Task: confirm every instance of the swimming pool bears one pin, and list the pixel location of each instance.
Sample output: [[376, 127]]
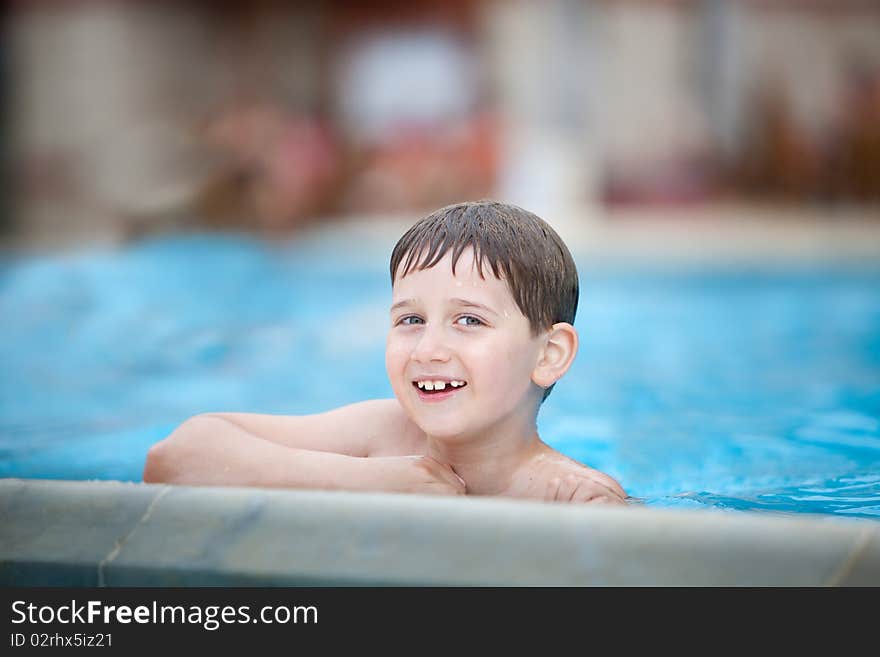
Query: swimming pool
[[734, 387]]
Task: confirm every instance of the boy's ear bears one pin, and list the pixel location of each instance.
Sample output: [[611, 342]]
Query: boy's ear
[[557, 354]]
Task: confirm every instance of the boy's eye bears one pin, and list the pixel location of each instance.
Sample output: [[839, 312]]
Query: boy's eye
[[469, 320], [410, 319]]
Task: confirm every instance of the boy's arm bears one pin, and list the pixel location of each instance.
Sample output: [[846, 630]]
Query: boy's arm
[[325, 450], [374, 427]]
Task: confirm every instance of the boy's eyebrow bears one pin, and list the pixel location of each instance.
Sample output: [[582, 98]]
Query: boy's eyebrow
[[456, 300], [472, 304], [402, 303]]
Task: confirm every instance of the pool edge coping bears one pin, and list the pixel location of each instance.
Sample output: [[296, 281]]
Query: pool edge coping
[[109, 533]]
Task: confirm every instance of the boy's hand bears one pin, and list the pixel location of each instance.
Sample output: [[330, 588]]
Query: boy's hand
[[413, 474], [583, 489], [565, 480]]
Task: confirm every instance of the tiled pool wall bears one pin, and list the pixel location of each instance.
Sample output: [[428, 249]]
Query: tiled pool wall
[[105, 533]]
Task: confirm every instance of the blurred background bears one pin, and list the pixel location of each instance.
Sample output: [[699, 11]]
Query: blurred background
[[127, 117], [200, 199]]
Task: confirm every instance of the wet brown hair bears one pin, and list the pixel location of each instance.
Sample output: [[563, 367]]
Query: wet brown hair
[[518, 246]]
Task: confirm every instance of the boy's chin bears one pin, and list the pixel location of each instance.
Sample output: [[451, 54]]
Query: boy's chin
[[445, 431]]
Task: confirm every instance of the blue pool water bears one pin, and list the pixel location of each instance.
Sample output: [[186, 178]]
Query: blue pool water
[[735, 388]]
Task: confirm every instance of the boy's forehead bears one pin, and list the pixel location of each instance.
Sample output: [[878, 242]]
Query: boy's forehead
[[467, 284], [466, 266]]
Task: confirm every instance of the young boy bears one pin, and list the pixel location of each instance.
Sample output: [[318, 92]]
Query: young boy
[[484, 295]]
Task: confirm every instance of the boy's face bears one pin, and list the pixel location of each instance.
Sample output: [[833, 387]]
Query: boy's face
[[468, 334]]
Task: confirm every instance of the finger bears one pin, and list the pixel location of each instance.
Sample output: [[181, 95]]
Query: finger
[[452, 490], [552, 489], [589, 490], [458, 477], [567, 488], [607, 499], [608, 482], [462, 482], [452, 477], [601, 489], [585, 492], [446, 473], [441, 488], [605, 483]]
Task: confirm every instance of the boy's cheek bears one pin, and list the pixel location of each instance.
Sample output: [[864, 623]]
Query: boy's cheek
[[395, 343], [396, 351], [396, 358]]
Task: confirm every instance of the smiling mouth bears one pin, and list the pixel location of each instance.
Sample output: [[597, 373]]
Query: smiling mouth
[[433, 387]]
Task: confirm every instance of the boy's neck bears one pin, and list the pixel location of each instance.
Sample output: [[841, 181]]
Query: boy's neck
[[489, 464]]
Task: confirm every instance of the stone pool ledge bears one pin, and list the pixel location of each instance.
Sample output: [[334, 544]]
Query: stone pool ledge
[[104, 533]]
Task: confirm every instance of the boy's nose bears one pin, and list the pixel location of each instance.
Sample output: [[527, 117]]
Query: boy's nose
[[430, 347]]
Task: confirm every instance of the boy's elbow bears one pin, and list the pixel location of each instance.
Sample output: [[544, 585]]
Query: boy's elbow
[[162, 463], [165, 458], [155, 468]]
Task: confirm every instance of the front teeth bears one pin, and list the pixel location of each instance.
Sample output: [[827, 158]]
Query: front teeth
[[438, 385]]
